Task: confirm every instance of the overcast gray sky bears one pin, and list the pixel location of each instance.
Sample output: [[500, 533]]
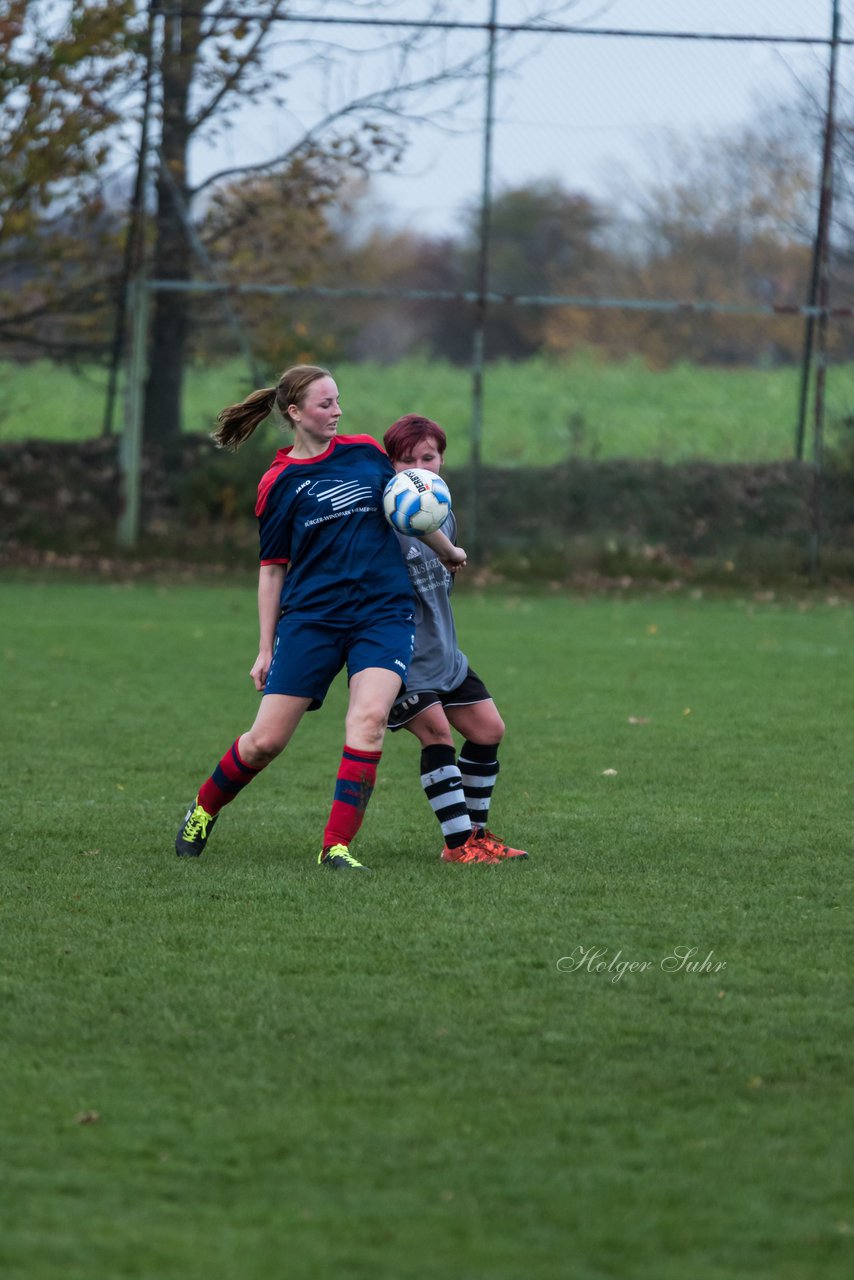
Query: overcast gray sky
[[582, 109]]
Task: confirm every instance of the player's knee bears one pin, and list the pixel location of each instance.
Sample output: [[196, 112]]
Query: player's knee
[[430, 735], [263, 746], [368, 725], [489, 730]]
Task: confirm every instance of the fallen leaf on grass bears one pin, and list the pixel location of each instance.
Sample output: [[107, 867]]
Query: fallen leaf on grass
[[87, 1117]]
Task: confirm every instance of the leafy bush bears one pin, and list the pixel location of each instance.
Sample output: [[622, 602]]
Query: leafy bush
[[616, 517]]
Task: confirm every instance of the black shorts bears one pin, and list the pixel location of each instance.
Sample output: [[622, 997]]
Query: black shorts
[[470, 690]]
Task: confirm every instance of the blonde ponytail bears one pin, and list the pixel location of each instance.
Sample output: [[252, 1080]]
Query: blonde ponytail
[[238, 421]]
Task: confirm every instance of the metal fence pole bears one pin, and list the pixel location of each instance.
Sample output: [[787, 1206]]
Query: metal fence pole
[[135, 232], [822, 231], [824, 302], [482, 287], [130, 444]]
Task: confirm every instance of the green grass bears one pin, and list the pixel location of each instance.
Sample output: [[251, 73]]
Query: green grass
[[535, 412], [310, 1076]]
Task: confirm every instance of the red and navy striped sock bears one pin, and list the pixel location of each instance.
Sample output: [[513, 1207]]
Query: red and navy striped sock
[[229, 777], [357, 775]]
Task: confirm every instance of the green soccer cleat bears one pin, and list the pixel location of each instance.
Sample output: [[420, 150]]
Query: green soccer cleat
[[194, 832], [337, 857]]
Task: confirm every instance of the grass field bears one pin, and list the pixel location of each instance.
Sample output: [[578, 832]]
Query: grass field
[[535, 412], [244, 1067]]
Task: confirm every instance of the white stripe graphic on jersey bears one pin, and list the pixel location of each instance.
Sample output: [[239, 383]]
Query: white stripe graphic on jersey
[[340, 493]]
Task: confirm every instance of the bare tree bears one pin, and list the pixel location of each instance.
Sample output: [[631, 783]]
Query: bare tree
[[65, 84], [377, 84], [73, 88], [724, 219]]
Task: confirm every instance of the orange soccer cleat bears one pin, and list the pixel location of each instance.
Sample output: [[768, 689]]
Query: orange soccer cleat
[[495, 845], [472, 851]]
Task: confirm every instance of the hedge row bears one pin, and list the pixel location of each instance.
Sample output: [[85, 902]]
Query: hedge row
[[197, 500]]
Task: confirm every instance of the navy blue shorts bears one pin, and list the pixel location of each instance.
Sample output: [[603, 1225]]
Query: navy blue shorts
[[407, 706], [307, 656]]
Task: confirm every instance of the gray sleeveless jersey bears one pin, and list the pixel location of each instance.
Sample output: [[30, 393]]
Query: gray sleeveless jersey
[[436, 661]]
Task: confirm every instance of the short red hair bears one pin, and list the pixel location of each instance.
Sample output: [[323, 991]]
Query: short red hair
[[403, 435]]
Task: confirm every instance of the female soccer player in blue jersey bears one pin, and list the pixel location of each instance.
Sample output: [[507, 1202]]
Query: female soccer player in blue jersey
[[333, 592], [442, 690]]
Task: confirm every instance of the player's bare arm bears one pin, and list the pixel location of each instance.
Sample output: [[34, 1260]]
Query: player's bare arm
[[270, 579], [452, 557]]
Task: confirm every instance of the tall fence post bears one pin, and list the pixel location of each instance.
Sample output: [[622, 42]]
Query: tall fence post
[[482, 287], [134, 244], [130, 444], [822, 231], [823, 295]]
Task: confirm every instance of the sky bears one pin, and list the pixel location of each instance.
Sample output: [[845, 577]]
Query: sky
[[587, 111]]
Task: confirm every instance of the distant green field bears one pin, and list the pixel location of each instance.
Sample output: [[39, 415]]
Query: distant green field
[[245, 1068], [537, 411]]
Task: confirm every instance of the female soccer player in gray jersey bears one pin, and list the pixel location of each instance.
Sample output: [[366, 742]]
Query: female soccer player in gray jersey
[[442, 691]]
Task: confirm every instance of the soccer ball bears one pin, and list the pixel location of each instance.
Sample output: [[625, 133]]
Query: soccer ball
[[416, 502]]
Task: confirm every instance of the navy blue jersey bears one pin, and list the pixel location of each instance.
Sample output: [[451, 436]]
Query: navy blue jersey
[[323, 518]]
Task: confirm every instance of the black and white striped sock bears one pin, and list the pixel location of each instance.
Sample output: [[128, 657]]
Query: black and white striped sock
[[443, 787], [479, 769]]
